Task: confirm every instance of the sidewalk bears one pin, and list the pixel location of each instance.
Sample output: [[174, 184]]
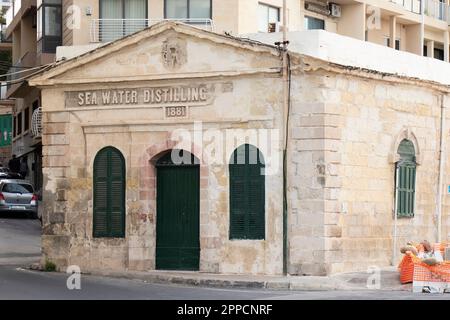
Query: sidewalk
[[389, 280]]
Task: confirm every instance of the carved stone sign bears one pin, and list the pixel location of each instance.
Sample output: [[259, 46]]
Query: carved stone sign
[[176, 112], [157, 96]]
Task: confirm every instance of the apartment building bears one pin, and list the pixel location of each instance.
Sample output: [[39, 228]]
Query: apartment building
[[399, 24]]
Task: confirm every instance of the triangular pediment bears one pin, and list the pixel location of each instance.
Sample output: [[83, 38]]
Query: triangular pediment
[[164, 51]]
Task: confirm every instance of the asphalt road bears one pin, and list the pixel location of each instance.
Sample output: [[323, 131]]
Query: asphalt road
[[17, 283], [20, 246], [20, 239]]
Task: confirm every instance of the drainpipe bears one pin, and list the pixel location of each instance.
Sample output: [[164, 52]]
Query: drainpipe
[[441, 171], [422, 25], [285, 142], [394, 246]]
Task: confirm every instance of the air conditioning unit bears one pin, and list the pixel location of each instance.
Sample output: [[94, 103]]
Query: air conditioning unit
[[274, 27], [335, 10]]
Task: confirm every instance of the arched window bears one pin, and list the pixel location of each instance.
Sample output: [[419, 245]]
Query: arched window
[[109, 194], [405, 174], [247, 193]]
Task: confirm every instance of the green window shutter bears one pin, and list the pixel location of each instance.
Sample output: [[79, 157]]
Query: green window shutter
[[109, 194], [406, 179], [247, 194], [5, 130]]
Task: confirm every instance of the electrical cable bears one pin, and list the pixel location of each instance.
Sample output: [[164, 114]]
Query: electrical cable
[[5, 83], [22, 71], [14, 81]]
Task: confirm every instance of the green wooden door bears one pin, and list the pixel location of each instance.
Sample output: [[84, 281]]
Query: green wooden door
[[178, 222]]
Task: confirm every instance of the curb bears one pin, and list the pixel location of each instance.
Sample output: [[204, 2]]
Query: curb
[[293, 284], [289, 283]]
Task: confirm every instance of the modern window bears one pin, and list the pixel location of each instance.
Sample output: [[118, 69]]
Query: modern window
[[405, 179], [387, 42], [269, 16], [109, 194], [312, 23], [119, 18], [49, 25], [188, 9], [439, 54], [247, 193]]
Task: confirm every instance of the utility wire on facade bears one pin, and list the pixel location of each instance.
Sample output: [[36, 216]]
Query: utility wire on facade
[[41, 68]]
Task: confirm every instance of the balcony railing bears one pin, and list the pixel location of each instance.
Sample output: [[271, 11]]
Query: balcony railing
[[5, 3], [432, 8], [105, 30], [410, 5], [436, 9], [17, 4], [3, 38], [14, 8], [36, 123], [9, 15]]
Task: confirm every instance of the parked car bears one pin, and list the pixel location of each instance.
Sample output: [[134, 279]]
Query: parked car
[[5, 173], [18, 196]]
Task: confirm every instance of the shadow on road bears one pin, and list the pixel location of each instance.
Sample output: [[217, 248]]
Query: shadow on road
[[16, 215]]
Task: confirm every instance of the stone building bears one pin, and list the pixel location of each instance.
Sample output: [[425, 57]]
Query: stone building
[[116, 197], [40, 32]]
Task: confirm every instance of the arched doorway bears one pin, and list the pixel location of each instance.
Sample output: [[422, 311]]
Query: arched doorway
[[178, 211]]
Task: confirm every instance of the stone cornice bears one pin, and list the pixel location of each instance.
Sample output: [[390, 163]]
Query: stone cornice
[[65, 66]]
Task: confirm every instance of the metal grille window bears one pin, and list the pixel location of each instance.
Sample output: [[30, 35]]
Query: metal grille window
[[405, 179], [36, 123], [109, 194], [247, 194]]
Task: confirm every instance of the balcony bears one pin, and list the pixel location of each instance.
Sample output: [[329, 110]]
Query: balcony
[[436, 9], [14, 8], [36, 123], [5, 3], [432, 8], [3, 37], [410, 5], [106, 30], [9, 15], [15, 12]]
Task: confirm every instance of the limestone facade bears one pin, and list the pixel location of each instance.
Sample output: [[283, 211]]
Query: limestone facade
[[344, 127]]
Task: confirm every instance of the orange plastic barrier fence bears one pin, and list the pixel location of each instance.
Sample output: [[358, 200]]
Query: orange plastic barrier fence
[[413, 269], [406, 268]]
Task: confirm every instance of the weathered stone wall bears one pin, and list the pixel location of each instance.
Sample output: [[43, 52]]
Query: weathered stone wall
[[344, 128], [72, 139], [313, 181], [345, 131]]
